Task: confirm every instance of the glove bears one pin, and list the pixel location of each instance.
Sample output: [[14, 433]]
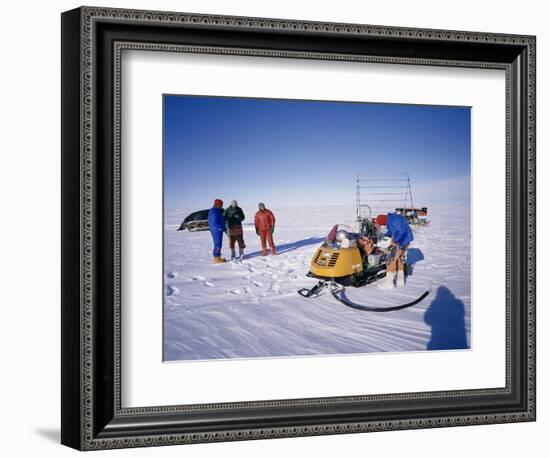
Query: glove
[[273, 228], [257, 231]]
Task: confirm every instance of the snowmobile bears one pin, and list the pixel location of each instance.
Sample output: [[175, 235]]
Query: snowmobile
[[350, 258]]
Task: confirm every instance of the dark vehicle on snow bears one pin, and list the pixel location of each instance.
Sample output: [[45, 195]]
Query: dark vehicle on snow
[[196, 221]]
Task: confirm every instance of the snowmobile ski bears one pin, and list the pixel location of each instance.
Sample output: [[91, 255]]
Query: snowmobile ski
[[316, 291]]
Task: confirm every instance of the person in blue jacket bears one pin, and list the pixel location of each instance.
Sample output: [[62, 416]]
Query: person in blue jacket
[[216, 223], [401, 236]]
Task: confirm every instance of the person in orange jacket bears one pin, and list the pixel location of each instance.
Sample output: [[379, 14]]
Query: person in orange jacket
[[265, 225]]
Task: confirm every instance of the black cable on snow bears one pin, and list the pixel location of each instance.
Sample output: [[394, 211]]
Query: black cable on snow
[[342, 299]]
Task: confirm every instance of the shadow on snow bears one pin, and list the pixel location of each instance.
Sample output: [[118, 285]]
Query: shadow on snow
[[285, 248], [445, 315], [414, 255]]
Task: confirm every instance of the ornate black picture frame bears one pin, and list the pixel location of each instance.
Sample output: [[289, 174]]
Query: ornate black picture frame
[[92, 42]]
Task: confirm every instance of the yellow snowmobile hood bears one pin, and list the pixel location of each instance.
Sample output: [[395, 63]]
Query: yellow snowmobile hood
[[331, 262]]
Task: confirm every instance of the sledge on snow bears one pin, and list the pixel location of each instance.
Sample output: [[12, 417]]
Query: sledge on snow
[[349, 257], [415, 216]]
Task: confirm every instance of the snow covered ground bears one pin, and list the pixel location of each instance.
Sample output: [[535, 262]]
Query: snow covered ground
[[251, 309]]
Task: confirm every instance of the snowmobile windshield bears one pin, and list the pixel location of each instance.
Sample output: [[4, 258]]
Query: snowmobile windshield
[[341, 236]]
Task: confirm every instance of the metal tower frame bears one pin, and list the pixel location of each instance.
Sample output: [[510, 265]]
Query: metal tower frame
[[382, 193]]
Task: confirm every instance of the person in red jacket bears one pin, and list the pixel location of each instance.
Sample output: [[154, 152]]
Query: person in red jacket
[[265, 225]]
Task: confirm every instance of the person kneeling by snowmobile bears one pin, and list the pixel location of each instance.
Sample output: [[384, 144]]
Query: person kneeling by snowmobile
[[366, 245], [401, 236], [234, 217]]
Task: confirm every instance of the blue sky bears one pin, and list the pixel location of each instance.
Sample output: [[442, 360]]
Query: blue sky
[[294, 152]]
